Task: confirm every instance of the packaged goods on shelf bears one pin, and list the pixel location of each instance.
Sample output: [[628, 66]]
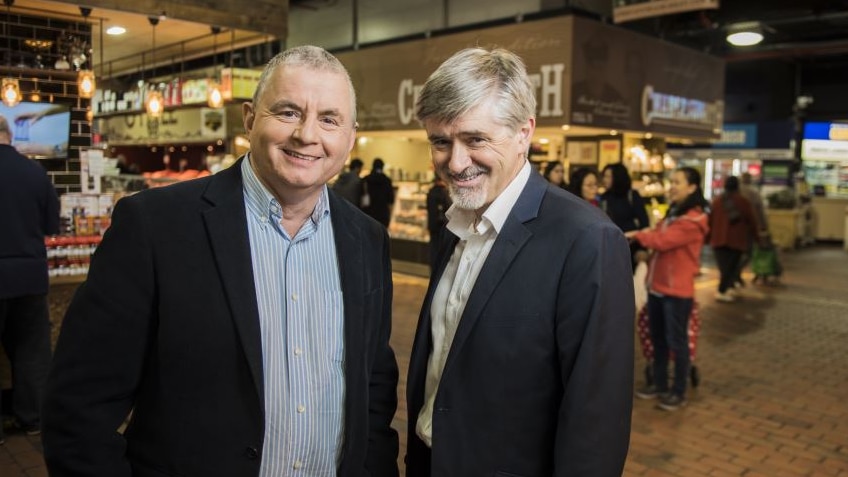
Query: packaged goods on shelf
[[69, 255]]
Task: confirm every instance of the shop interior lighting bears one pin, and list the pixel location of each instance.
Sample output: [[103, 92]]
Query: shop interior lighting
[[566, 127], [35, 96], [116, 30], [85, 78], [745, 34], [214, 97], [153, 103], [11, 87]]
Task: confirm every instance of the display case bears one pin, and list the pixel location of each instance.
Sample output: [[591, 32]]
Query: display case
[[409, 214]]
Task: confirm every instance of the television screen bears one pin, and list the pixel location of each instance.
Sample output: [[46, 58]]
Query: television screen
[[39, 129]]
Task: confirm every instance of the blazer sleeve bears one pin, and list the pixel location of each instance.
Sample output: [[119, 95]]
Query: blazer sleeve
[[381, 459], [594, 333], [100, 354]]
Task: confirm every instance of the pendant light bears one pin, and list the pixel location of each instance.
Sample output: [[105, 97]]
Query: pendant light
[[214, 97], [85, 78], [10, 88], [154, 103]]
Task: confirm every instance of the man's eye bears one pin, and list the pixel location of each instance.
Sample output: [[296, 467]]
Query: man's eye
[[439, 144], [476, 141], [329, 121], [289, 115]]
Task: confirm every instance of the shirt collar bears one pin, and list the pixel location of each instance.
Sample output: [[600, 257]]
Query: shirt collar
[[262, 203], [463, 223]]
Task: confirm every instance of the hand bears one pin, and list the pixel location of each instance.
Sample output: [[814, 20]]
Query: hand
[[631, 234]]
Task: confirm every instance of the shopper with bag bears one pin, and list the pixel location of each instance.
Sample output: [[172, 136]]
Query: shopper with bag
[[733, 226], [676, 243]]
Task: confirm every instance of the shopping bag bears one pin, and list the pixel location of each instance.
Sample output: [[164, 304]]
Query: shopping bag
[[764, 261]]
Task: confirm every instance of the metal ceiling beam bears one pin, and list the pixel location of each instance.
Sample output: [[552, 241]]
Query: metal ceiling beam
[[265, 16]]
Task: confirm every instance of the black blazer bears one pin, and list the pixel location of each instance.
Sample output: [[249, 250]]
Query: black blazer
[[167, 326], [539, 378]]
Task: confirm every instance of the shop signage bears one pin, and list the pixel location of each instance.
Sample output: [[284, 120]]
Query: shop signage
[[180, 126], [826, 131], [824, 150], [738, 135], [239, 83], [628, 10], [585, 73], [625, 80]]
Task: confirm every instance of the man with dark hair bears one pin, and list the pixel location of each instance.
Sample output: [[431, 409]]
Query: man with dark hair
[[349, 185], [29, 208], [381, 193]]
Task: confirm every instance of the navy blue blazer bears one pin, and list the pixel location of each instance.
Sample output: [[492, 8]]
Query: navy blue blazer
[[29, 210], [539, 378], [167, 326]]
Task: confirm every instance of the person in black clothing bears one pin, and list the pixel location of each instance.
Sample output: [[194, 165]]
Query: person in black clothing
[[381, 193], [30, 210], [438, 202], [350, 185], [624, 206]]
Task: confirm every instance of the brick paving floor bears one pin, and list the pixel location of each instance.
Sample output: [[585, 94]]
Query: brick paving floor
[[773, 400]]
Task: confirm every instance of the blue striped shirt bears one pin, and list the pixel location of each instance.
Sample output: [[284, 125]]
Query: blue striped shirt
[[302, 321]]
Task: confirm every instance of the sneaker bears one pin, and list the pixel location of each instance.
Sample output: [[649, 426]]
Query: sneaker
[[32, 431], [725, 297], [671, 402], [647, 392]]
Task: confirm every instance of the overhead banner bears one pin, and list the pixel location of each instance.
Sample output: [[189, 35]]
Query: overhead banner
[[388, 78], [585, 73], [625, 80], [628, 10]]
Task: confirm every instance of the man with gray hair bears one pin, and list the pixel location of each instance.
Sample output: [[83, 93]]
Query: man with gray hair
[[523, 359], [243, 318]]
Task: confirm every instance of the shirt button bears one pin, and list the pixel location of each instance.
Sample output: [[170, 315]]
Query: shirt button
[[294, 296], [297, 464], [251, 453], [263, 220], [298, 351], [301, 409]]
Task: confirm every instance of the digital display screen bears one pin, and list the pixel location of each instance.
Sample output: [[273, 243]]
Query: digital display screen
[[39, 130]]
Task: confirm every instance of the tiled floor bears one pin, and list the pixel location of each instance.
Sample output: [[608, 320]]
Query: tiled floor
[[773, 400]]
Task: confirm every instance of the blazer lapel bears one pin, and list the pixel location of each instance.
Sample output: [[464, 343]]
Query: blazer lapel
[[509, 242], [349, 240], [226, 224]]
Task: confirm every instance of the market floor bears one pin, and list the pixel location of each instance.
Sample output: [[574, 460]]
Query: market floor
[[773, 397]]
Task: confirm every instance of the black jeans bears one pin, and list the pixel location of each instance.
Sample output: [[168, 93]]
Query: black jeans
[[727, 260], [668, 319], [25, 333]]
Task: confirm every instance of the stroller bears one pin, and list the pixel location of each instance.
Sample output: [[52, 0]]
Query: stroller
[[764, 263], [648, 347]]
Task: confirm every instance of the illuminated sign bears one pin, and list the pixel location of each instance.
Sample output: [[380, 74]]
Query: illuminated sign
[[672, 110]]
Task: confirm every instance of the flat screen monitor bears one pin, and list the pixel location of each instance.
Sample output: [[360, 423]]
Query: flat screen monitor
[[39, 130]]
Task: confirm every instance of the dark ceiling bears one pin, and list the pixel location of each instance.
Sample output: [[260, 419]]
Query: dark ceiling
[[794, 30]]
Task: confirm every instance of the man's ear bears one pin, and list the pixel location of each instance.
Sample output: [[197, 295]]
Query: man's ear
[[248, 115], [526, 132]]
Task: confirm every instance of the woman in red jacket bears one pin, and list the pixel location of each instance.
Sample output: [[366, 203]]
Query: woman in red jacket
[[676, 242]]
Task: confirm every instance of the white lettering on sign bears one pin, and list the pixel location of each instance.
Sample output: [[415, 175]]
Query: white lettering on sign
[[737, 137], [547, 84]]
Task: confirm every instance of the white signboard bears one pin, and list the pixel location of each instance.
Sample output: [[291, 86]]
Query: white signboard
[[627, 10]]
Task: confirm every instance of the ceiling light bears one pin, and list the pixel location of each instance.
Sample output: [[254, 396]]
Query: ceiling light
[[86, 83], [11, 92], [745, 34], [116, 30], [566, 127]]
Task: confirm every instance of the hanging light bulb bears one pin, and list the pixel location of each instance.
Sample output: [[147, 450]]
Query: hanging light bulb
[[11, 91], [154, 103], [216, 99], [86, 83]]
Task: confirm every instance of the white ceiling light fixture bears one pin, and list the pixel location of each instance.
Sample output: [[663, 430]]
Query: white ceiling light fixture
[[745, 34], [116, 30]]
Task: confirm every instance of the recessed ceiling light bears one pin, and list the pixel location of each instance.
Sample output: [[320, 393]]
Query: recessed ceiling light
[[116, 30], [745, 38]]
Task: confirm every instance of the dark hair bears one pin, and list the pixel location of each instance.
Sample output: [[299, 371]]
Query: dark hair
[[695, 199], [377, 165], [731, 184], [356, 163], [621, 183], [575, 185], [549, 167]]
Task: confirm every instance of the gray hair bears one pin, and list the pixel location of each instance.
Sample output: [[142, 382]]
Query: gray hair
[[308, 56], [472, 76]]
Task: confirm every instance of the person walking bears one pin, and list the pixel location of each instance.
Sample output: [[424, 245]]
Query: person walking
[[522, 362], [734, 227], [438, 203], [676, 243], [29, 207], [349, 185], [242, 319], [381, 193]]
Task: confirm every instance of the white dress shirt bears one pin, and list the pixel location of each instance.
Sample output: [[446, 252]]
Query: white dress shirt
[[476, 238]]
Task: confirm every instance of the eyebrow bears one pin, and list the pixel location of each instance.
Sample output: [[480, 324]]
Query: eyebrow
[[461, 134]]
